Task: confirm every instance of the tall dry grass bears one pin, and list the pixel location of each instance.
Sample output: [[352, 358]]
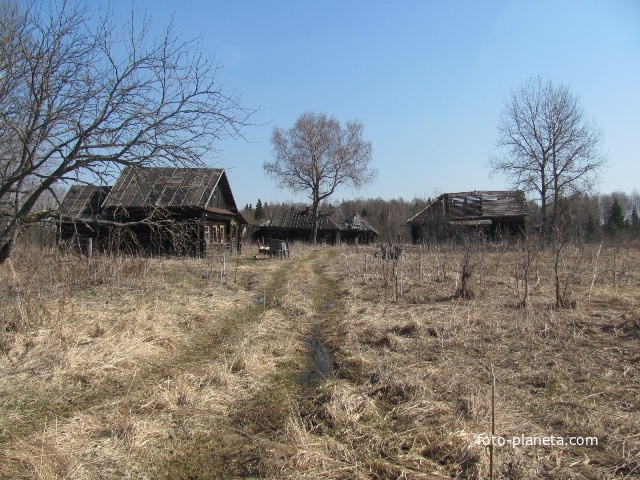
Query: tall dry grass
[[103, 360], [564, 372], [131, 367]]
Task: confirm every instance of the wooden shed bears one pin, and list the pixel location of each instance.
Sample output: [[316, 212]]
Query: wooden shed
[[489, 211]]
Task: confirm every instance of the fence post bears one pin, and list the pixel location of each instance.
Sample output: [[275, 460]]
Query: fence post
[[89, 247], [223, 266]]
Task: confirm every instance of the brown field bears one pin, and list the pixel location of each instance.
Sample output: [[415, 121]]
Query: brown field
[[152, 368]]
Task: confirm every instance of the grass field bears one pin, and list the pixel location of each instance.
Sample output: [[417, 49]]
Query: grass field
[[125, 367]]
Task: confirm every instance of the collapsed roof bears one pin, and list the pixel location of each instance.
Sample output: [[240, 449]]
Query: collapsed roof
[[477, 207]]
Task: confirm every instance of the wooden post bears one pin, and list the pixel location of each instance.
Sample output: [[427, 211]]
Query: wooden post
[[223, 266], [89, 247], [401, 282], [365, 268], [395, 278]]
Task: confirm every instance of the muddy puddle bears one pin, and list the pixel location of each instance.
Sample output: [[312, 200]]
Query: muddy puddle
[[261, 300], [329, 304], [320, 365]]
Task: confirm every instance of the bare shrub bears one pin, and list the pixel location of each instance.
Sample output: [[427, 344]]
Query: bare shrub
[[471, 245]]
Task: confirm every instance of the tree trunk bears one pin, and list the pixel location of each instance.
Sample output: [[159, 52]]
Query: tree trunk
[[315, 211], [559, 300], [314, 222], [543, 199], [7, 241], [556, 204]]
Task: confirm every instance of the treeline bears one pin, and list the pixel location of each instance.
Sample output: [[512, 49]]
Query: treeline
[[594, 216]]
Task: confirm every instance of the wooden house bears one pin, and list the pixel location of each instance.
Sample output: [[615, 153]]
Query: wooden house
[[293, 224], [357, 228], [163, 211], [490, 211], [80, 215]]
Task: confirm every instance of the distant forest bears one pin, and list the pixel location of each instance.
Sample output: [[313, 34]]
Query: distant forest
[[613, 214]]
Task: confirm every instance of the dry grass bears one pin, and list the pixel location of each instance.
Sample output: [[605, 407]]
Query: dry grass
[[129, 367]]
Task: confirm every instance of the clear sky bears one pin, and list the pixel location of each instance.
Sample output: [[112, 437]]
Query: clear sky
[[427, 78]]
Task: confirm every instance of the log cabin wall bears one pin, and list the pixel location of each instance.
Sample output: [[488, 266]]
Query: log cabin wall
[[156, 211]]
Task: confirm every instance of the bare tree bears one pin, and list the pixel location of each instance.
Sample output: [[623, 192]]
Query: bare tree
[[317, 155], [80, 98], [567, 254], [528, 250], [550, 148]]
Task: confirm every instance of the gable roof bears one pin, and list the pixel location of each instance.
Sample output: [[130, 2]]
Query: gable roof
[[300, 220], [83, 201], [357, 223], [168, 187], [477, 205]]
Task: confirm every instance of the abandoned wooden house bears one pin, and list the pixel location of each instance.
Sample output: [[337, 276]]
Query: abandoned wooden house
[[492, 212], [80, 215], [297, 225], [184, 211], [357, 228]]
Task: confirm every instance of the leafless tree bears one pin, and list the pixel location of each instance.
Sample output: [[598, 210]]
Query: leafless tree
[[528, 250], [567, 253], [317, 155], [550, 148], [81, 97]]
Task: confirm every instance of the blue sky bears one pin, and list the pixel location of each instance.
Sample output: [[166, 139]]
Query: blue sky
[[427, 78]]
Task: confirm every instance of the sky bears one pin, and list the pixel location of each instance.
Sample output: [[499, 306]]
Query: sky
[[428, 79]]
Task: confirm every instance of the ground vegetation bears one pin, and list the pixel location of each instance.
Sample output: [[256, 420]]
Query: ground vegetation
[[334, 363]]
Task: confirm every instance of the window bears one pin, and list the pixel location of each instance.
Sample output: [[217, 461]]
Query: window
[[214, 234]]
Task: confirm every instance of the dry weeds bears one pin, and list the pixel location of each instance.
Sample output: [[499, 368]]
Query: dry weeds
[[131, 367]]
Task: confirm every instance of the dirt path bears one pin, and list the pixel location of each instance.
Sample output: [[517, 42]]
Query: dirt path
[[296, 335]]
